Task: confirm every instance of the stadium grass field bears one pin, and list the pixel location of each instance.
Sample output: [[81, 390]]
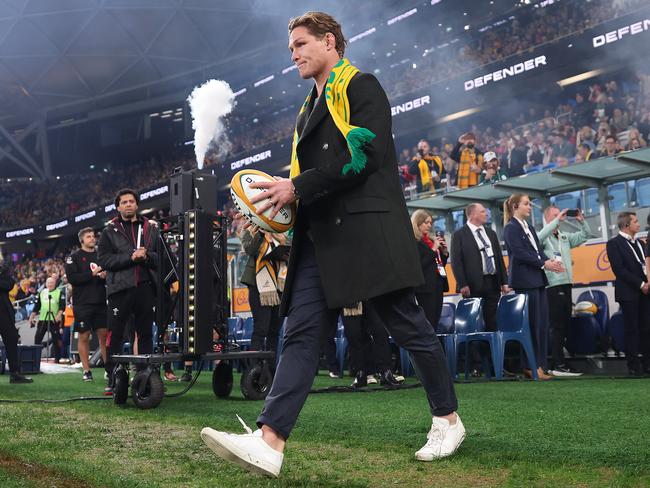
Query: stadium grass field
[[563, 433]]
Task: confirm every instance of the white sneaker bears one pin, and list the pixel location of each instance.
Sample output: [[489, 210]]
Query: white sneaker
[[399, 378], [371, 379], [442, 440], [249, 450]]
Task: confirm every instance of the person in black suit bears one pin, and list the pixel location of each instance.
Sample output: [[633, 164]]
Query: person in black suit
[[433, 258], [628, 260], [352, 242], [8, 331], [527, 263], [477, 263]]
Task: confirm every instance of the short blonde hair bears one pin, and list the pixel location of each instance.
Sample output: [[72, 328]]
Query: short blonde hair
[[418, 217]]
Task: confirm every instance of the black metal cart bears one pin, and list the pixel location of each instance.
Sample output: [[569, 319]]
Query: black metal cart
[[193, 253]]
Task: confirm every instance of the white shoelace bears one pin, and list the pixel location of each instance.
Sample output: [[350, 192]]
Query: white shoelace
[[246, 427], [435, 435]]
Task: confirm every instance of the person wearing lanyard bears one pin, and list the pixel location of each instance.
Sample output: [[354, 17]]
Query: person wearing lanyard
[[477, 263], [480, 272], [526, 271], [433, 257], [629, 264], [558, 244]]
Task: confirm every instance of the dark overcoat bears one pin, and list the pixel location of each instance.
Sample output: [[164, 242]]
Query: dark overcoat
[[358, 223]]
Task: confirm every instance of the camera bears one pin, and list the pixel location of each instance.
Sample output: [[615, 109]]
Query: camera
[[573, 212]]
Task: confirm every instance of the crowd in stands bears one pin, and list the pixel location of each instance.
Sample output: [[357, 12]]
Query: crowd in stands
[[606, 110], [531, 27], [602, 119]]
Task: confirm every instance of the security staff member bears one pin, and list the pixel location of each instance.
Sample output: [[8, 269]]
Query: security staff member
[[8, 331], [49, 308], [631, 288], [477, 263], [88, 281], [127, 251]]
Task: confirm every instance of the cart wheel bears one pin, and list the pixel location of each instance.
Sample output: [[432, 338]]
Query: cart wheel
[[256, 381], [147, 389], [222, 379], [120, 386]]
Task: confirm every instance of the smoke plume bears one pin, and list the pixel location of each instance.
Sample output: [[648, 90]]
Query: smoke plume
[[209, 103]]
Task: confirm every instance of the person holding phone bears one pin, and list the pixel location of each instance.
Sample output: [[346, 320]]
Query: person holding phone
[[526, 272], [433, 257], [557, 244]]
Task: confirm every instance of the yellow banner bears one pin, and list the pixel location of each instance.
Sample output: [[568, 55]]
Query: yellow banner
[[240, 300]]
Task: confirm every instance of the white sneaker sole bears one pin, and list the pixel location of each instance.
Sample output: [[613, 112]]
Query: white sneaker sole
[[561, 374], [222, 447], [428, 459]]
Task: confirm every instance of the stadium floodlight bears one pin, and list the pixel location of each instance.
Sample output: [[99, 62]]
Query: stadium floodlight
[[581, 77], [459, 115]]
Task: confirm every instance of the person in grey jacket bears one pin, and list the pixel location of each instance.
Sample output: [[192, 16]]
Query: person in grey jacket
[[264, 275], [557, 245]]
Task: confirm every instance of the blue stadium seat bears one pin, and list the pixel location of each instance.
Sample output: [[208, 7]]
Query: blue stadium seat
[[583, 335], [643, 192], [234, 325], [446, 322], [467, 319], [513, 325], [587, 333], [618, 195], [247, 333], [600, 299], [492, 338]]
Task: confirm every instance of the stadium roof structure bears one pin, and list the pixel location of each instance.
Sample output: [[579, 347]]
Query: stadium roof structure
[[597, 173], [66, 53]]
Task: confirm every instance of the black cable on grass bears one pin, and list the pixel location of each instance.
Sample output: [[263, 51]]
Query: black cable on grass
[[64, 400], [83, 399], [352, 389], [190, 384]]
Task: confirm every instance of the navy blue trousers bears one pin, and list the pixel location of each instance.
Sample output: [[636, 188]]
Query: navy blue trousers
[[309, 320], [538, 319]]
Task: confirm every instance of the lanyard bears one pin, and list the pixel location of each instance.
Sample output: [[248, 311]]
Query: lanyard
[[639, 260], [559, 245]]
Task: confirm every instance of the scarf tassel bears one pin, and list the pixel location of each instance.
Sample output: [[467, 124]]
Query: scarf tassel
[[357, 138], [353, 311], [269, 299]]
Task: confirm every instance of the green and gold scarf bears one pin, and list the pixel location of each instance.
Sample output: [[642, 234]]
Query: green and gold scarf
[[339, 108]]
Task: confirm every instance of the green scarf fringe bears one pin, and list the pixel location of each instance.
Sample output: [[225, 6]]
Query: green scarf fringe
[[357, 138]]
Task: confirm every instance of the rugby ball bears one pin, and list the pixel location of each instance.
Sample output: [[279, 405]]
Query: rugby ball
[[242, 193], [585, 308]]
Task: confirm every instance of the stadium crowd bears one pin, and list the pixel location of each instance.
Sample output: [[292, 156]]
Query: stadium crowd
[[31, 202], [602, 119]]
